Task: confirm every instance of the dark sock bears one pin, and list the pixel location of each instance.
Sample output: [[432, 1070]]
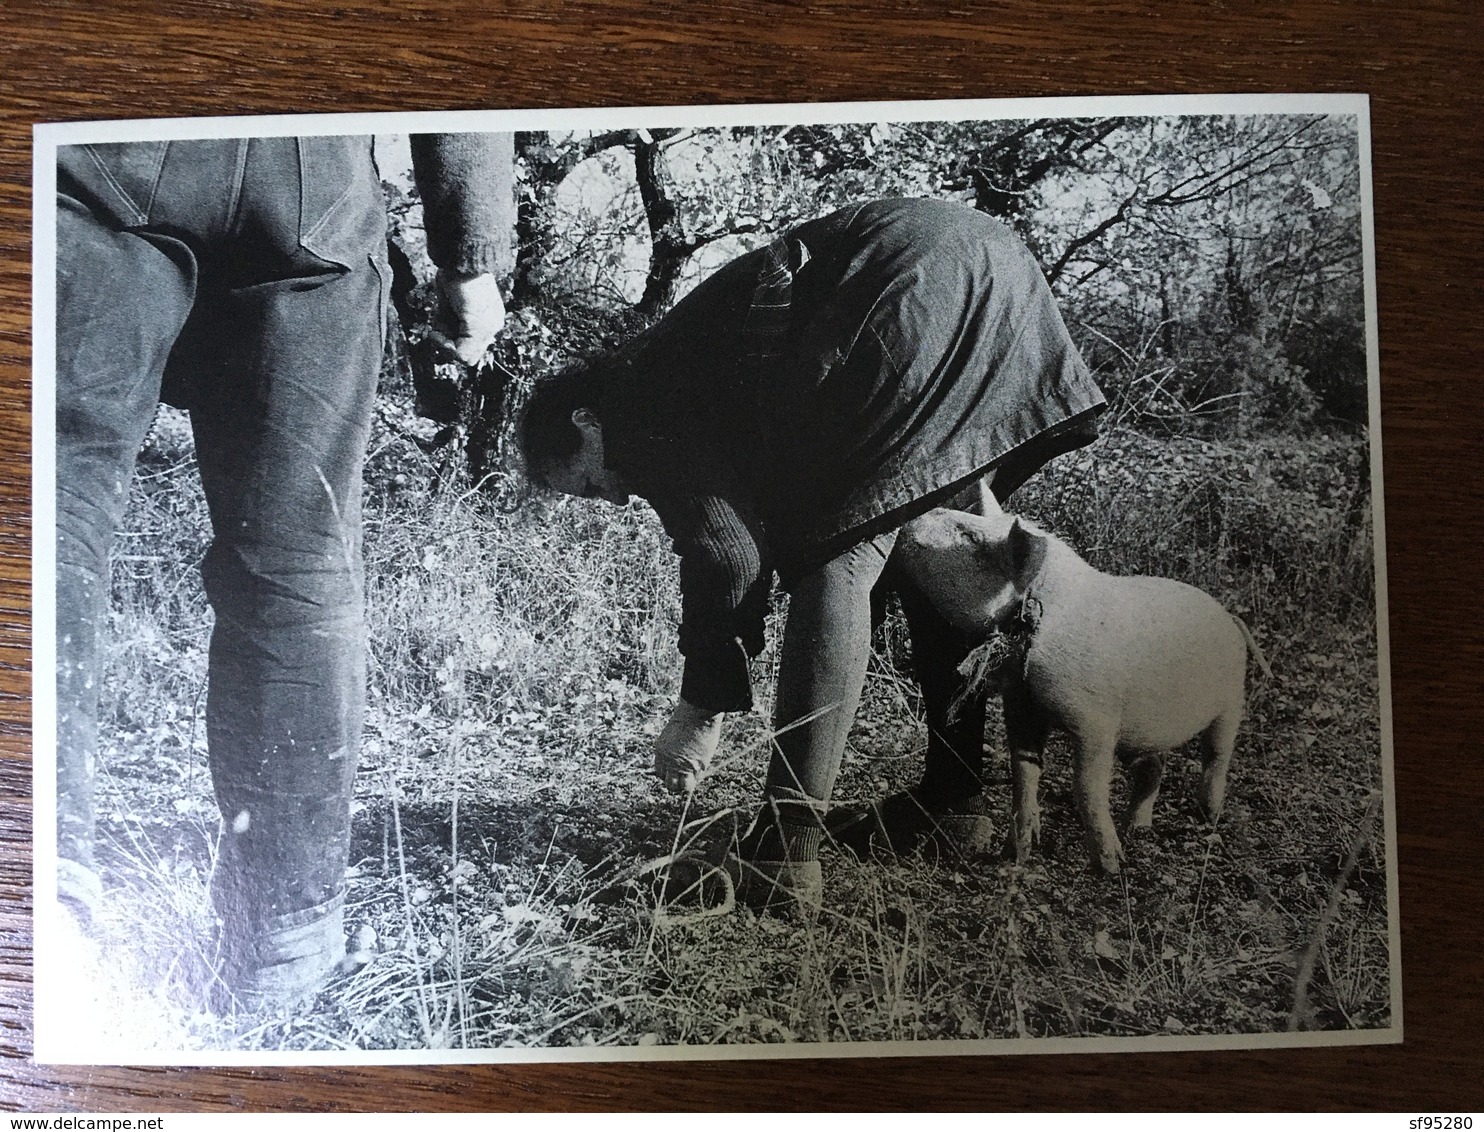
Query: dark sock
[[775, 838]]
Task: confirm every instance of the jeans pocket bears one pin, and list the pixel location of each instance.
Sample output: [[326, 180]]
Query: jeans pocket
[[342, 213], [383, 271], [123, 176]]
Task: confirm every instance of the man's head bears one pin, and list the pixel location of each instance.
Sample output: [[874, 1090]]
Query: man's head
[[584, 472], [561, 439]]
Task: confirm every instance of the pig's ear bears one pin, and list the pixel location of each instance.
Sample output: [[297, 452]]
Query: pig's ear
[[1027, 554]]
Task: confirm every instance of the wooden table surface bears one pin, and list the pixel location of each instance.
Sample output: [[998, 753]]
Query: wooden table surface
[[1420, 62]]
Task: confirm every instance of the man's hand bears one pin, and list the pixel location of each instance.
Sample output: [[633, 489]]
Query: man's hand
[[470, 313], [686, 746]]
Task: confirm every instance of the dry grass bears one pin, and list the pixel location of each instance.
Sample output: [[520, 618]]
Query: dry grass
[[506, 825]]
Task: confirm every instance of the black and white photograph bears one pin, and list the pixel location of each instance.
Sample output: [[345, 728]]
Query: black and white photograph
[[754, 581]]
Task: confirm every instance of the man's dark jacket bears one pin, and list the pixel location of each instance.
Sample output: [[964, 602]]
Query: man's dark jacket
[[823, 390]]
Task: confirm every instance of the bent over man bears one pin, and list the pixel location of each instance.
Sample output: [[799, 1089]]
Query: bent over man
[[791, 414]]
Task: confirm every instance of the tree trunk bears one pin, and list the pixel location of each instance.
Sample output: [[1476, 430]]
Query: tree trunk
[[669, 247]]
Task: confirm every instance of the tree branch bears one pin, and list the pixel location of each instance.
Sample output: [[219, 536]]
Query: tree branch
[[1118, 217]]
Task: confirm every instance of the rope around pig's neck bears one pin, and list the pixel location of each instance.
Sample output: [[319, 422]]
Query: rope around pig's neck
[[1000, 659]]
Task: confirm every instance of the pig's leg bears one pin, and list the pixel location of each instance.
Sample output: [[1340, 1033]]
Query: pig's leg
[[1144, 773], [1025, 735], [1092, 784], [1217, 743]]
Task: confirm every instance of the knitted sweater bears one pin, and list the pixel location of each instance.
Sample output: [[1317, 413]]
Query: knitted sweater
[[466, 183]]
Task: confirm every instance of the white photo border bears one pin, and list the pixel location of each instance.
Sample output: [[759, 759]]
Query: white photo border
[[51, 1033]]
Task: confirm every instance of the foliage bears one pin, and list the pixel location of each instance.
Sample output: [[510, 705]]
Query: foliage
[[1223, 251]]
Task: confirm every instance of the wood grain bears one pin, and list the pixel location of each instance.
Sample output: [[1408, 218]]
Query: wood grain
[[1421, 63]]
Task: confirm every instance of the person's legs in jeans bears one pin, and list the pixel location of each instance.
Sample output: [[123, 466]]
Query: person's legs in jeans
[[272, 322], [940, 806], [278, 366], [121, 301], [826, 647], [281, 437]]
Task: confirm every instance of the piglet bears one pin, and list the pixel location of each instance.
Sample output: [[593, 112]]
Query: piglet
[[1127, 666]]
